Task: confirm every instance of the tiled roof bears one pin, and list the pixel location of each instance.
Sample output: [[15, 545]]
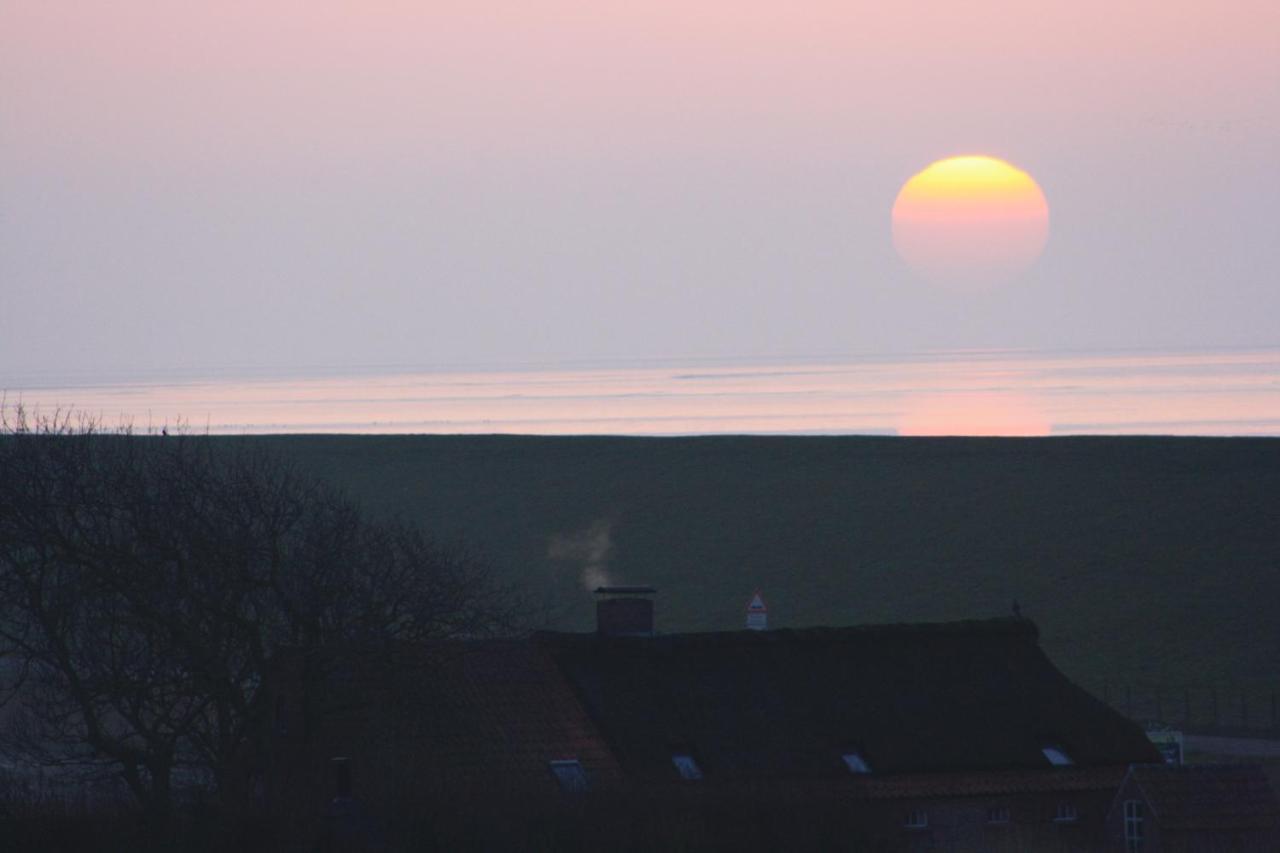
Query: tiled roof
[[911, 699], [491, 713], [988, 783], [1208, 797], [515, 714]]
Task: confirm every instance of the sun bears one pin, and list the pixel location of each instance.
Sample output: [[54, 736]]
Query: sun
[[970, 222]]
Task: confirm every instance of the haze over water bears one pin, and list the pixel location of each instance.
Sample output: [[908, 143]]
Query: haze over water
[[1205, 392], [272, 183]]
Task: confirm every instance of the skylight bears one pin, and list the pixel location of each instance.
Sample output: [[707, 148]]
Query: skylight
[[686, 766], [570, 776], [856, 763], [1056, 756]]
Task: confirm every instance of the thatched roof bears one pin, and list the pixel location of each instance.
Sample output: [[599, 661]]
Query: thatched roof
[[909, 699]]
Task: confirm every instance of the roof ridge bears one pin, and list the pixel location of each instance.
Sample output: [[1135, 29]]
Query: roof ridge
[[999, 626]]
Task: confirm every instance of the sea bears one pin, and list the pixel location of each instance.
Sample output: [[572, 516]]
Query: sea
[[1211, 392]]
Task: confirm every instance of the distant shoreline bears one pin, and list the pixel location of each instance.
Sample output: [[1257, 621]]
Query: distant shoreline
[[1218, 392]]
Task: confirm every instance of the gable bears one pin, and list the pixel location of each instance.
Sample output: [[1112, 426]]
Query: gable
[[1207, 797]]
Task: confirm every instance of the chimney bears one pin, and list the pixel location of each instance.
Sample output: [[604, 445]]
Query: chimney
[[624, 611], [341, 777]]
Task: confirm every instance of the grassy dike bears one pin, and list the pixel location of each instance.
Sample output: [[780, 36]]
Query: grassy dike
[[1155, 560]]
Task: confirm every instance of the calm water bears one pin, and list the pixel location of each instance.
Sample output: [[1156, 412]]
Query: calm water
[[1210, 392]]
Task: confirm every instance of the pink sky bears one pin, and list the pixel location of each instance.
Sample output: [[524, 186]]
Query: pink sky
[[316, 82], [197, 185]]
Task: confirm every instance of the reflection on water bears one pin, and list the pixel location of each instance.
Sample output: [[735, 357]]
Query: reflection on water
[[1222, 392], [981, 413]]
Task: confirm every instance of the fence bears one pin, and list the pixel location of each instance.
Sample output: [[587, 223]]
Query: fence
[[1250, 709]]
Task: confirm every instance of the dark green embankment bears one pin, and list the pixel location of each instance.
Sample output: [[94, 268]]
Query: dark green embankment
[[1143, 560]]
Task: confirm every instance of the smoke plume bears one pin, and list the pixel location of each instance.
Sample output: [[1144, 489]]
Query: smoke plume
[[589, 548]]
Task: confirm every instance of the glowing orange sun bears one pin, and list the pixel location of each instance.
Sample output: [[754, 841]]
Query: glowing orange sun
[[970, 222]]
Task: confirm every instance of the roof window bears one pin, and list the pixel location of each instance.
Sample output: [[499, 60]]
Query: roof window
[[856, 763], [570, 776], [1066, 813], [916, 819], [998, 814], [686, 766], [1056, 756]]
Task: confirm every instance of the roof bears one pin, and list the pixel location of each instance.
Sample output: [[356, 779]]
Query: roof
[[487, 713], [516, 714], [1195, 797], [989, 783], [911, 699]]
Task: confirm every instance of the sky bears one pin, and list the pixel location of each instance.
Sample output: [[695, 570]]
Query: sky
[[213, 186]]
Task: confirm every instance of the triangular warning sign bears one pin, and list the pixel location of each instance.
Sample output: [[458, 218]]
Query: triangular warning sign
[[757, 613]]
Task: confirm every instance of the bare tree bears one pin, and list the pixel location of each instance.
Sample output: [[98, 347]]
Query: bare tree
[[146, 582]]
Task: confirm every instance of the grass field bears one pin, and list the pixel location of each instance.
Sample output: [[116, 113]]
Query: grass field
[[1148, 560]]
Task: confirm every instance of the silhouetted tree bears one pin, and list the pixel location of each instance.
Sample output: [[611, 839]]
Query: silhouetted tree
[[146, 581]]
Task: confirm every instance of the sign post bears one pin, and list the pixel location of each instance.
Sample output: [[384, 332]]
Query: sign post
[[1169, 743]]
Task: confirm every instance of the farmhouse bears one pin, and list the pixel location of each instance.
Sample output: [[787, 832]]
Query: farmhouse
[[897, 737], [1196, 809]]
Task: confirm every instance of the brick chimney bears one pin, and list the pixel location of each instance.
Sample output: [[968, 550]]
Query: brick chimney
[[624, 611], [341, 777]]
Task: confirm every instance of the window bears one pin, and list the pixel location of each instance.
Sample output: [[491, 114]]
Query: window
[[686, 766], [570, 775], [916, 819], [1066, 813], [1056, 756], [998, 814], [856, 763], [1132, 825]]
